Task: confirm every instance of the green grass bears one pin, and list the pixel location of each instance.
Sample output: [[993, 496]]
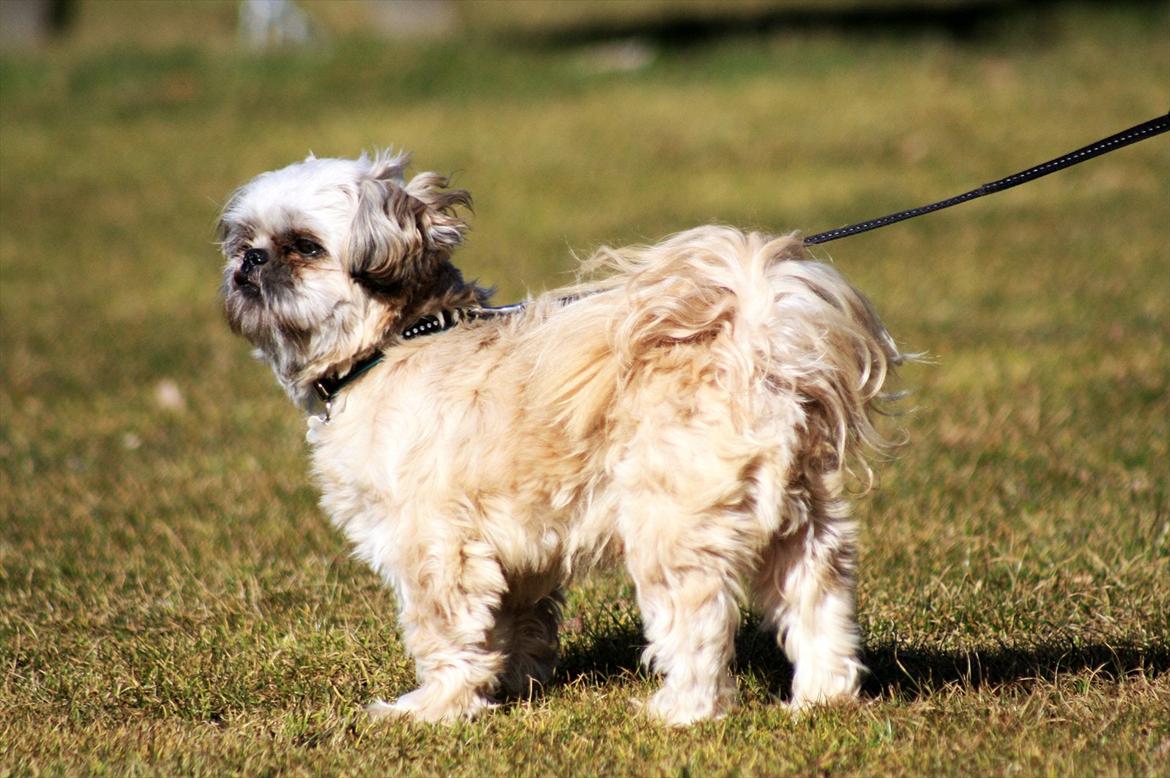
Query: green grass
[[173, 601]]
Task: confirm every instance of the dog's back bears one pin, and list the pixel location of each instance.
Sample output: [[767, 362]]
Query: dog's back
[[748, 314]]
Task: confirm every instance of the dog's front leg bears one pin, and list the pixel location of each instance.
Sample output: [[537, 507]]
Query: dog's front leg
[[449, 601]]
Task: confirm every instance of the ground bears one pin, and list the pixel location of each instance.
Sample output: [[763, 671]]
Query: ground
[[173, 601]]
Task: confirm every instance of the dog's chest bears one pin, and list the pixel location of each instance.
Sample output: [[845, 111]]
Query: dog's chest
[[357, 463]]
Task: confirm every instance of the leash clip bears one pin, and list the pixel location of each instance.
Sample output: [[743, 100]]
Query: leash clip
[[326, 398]]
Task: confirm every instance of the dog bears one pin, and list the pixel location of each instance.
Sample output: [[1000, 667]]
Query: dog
[[699, 410]]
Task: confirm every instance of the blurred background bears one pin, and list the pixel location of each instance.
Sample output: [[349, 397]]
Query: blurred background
[[150, 469]]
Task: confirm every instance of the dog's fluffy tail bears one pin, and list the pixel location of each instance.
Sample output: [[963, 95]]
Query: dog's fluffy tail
[[772, 322]]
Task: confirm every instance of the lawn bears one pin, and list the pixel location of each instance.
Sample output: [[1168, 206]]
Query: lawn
[[172, 600]]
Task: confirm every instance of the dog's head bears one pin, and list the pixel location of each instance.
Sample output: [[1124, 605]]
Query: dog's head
[[325, 257]]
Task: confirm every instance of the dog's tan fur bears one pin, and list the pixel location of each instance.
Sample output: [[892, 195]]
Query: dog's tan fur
[[693, 413]]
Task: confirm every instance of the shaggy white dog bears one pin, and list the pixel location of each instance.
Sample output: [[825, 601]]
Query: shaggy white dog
[[695, 414]]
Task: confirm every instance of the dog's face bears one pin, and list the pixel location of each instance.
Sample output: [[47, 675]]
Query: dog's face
[[323, 255]]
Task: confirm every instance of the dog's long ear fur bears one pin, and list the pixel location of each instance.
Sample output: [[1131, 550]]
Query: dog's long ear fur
[[402, 230]]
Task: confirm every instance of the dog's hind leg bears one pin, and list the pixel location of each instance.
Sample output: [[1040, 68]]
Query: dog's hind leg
[[805, 589], [687, 591], [527, 635], [690, 617]]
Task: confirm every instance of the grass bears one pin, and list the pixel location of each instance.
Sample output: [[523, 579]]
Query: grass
[[171, 598]]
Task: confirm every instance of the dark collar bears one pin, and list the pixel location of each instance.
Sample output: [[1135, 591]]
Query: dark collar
[[329, 386]]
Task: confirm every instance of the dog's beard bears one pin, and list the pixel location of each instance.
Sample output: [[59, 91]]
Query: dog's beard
[[297, 316]]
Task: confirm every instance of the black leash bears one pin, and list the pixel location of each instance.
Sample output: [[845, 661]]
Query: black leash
[[1104, 146]]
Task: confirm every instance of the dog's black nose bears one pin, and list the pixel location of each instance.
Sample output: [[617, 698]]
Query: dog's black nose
[[252, 258], [243, 275]]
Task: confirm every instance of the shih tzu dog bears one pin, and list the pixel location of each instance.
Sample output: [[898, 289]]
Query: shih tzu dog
[[698, 411]]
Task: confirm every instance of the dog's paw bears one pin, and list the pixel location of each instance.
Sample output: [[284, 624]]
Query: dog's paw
[[424, 704], [826, 685], [380, 709], [803, 705], [670, 707]]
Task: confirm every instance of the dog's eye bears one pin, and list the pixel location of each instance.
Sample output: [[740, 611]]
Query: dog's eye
[[307, 248]]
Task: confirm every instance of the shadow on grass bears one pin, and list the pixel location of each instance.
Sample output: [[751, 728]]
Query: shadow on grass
[[911, 673], [612, 650], [686, 26]]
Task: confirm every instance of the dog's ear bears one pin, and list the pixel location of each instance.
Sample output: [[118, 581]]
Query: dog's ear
[[400, 229], [438, 218]]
